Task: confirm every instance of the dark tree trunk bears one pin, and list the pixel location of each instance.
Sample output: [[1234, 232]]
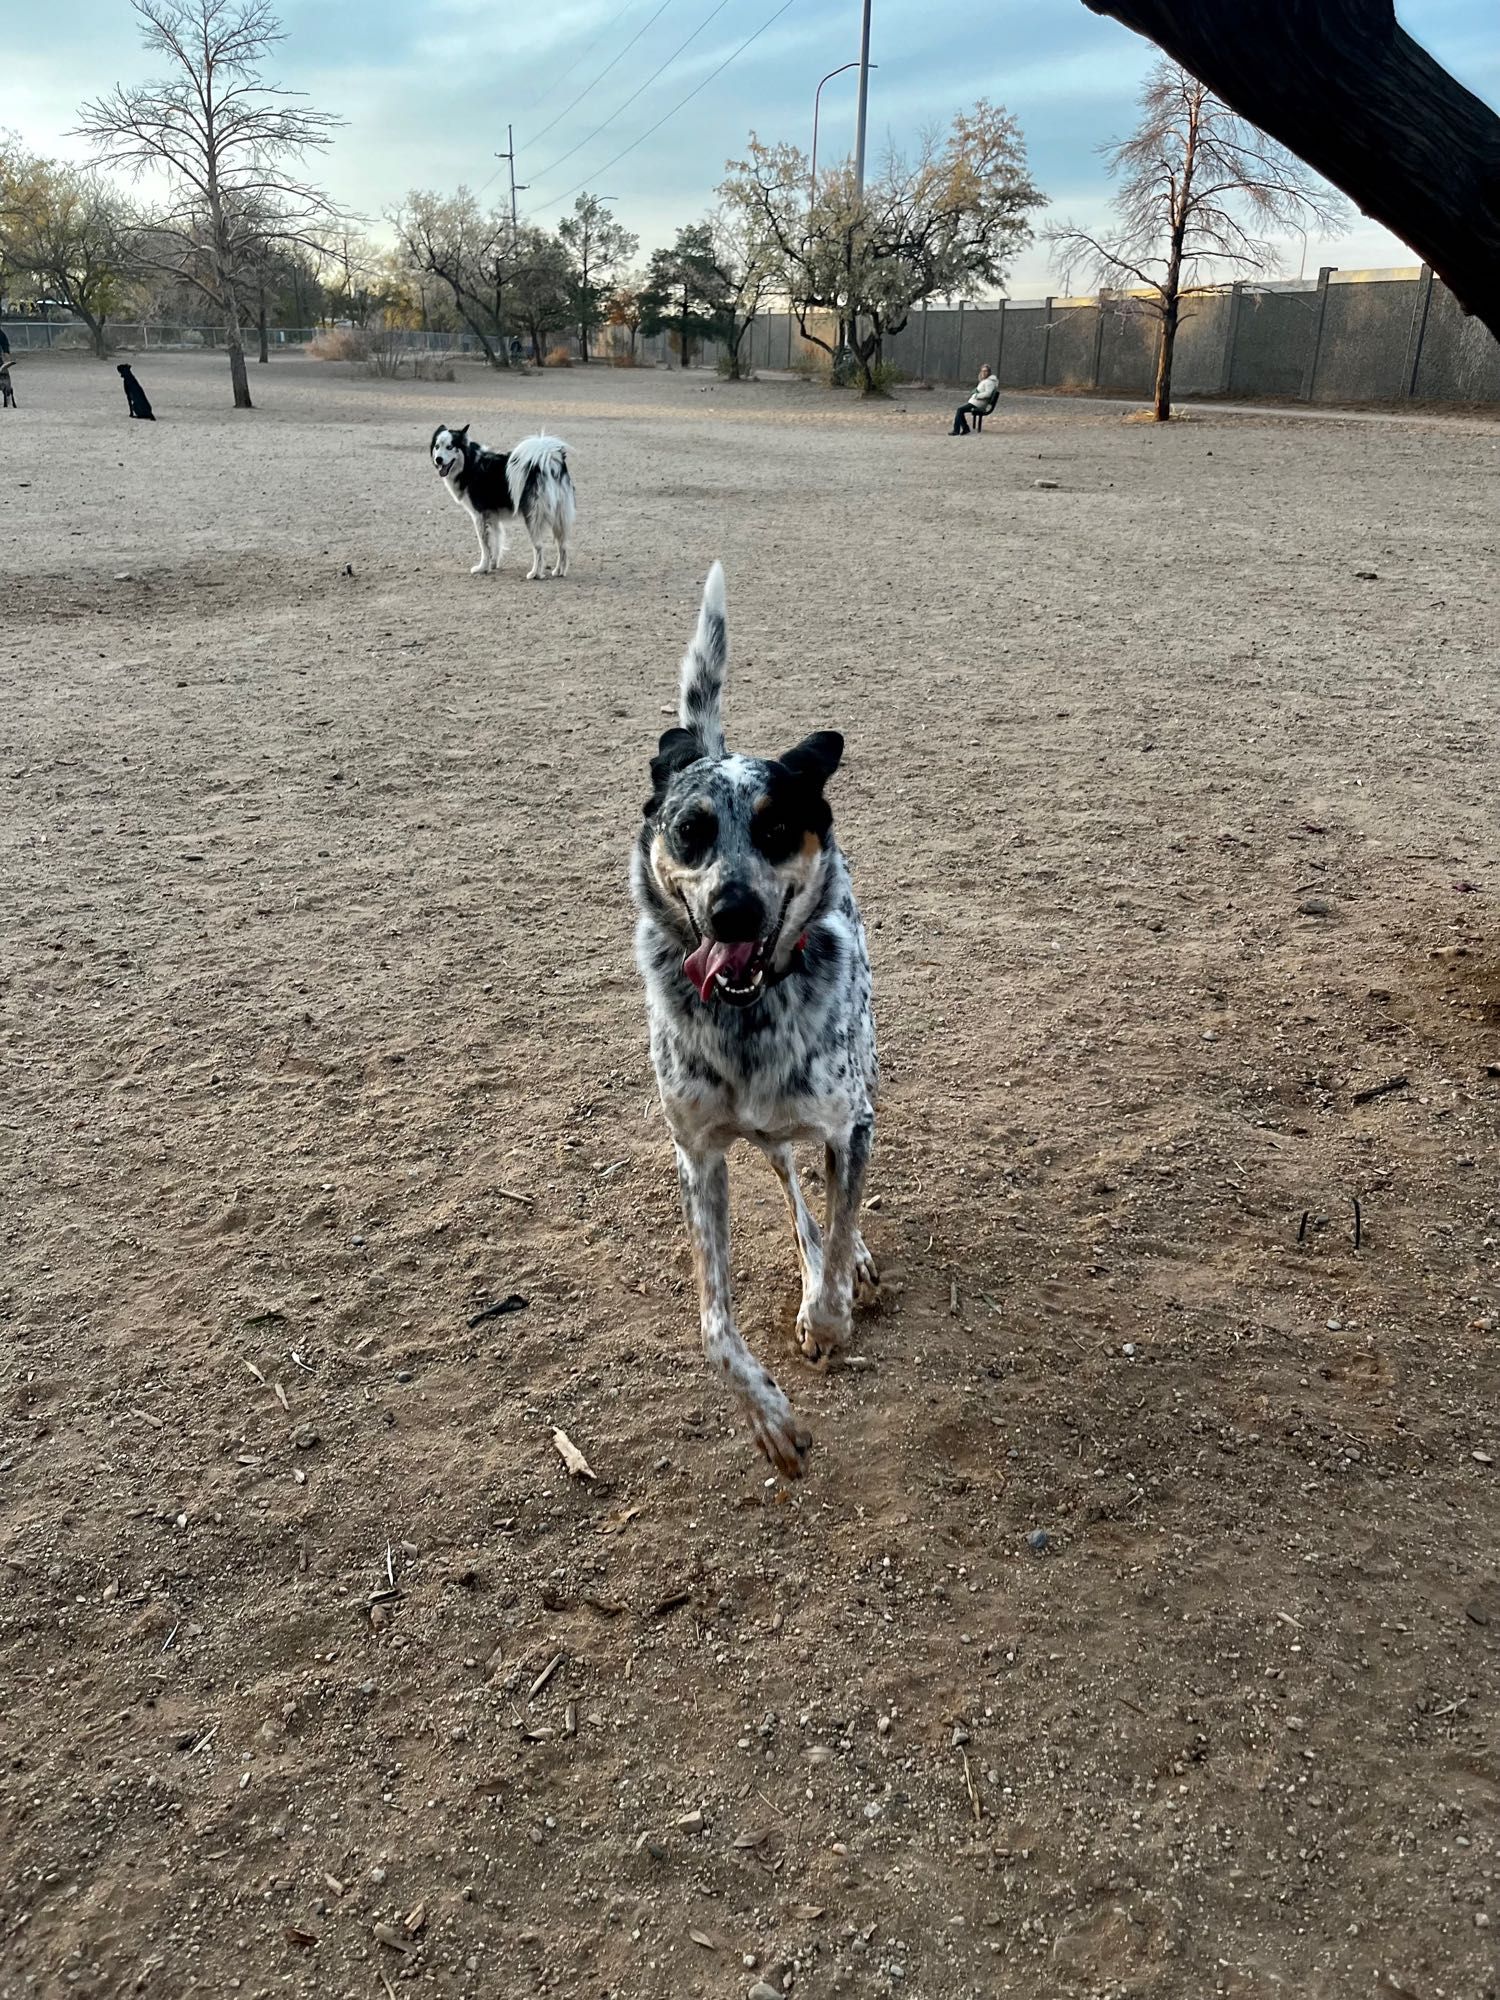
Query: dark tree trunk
[[96, 331], [1352, 94], [265, 338], [237, 373], [1161, 403], [1171, 304]]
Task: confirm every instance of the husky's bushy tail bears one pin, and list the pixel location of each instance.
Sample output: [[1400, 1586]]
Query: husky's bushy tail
[[541, 491], [702, 687]]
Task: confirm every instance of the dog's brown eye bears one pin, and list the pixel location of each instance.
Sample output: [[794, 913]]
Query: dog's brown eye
[[695, 832], [774, 838]]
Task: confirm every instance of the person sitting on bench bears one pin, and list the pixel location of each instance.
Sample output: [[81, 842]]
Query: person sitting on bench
[[982, 400]]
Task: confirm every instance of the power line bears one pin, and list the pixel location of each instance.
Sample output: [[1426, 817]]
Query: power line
[[770, 21], [584, 53], [613, 23], [555, 164], [665, 4]]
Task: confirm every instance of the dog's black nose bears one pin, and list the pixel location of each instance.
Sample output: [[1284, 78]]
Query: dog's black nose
[[738, 914]]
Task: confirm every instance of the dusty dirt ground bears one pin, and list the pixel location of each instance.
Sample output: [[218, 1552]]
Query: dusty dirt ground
[[1170, 796]]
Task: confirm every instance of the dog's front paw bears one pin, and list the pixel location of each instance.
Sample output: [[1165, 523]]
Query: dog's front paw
[[479, 569], [819, 1334], [774, 1426], [866, 1275]]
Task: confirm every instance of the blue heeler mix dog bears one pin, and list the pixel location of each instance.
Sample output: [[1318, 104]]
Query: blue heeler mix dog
[[758, 999]]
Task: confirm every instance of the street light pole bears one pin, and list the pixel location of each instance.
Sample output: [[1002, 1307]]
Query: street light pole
[[817, 105]]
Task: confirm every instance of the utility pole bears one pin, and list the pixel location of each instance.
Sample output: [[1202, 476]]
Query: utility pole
[[848, 334], [509, 156], [864, 98]]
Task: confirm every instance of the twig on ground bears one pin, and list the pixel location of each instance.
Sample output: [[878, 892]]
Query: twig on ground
[[545, 1675], [1374, 1090], [511, 1303]]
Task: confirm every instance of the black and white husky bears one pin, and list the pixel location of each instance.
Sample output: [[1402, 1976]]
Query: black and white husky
[[531, 480], [758, 1000]]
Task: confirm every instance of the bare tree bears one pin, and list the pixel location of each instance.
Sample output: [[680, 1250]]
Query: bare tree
[[65, 228], [598, 246], [356, 275], [1343, 84], [228, 145], [943, 225], [1199, 194], [473, 256], [744, 277]]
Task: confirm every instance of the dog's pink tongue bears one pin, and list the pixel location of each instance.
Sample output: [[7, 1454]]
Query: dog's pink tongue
[[705, 964]]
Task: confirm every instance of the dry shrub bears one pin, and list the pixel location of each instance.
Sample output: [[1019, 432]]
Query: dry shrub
[[558, 357], [624, 361], [433, 368], [339, 343]]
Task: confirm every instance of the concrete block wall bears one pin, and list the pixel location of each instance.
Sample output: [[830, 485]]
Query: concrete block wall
[[1342, 337]]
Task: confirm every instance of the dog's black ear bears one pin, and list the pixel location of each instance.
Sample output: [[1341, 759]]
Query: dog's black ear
[[815, 758], [462, 432], [677, 749]]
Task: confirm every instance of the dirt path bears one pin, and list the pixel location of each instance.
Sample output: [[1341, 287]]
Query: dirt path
[[1170, 798]]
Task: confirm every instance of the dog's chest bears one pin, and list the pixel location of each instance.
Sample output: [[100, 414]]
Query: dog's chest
[[799, 1082]]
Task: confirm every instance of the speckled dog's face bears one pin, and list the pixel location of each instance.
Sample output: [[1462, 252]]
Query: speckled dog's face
[[448, 448], [736, 846]]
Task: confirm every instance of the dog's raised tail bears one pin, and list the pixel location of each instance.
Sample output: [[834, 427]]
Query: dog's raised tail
[[700, 697]]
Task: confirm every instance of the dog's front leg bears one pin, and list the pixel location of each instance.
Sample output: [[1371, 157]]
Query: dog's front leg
[[823, 1322], [704, 1180], [481, 530], [804, 1222]]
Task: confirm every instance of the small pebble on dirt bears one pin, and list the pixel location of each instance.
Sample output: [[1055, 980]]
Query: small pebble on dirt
[[1038, 1541], [1315, 906], [404, 1375]]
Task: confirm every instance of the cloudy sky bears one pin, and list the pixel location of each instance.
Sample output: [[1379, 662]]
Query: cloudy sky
[[427, 87]]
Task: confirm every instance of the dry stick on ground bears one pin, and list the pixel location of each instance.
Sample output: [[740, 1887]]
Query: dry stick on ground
[[1375, 1090], [1350, 92]]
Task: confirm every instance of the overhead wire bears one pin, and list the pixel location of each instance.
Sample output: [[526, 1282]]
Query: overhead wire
[[608, 28], [604, 123], [651, 130], [665, 4]]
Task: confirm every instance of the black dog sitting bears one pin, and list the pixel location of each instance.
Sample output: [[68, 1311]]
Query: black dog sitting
[[135, 395]]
